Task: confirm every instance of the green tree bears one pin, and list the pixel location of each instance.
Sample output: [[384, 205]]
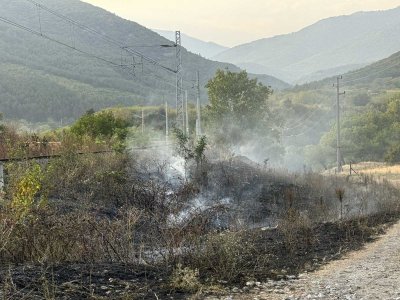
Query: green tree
[[372, 135], [237, 97], [238, 111], [103, 125], [393, 154]]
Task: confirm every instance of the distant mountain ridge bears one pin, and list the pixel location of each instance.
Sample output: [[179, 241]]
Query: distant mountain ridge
[[356, 39], [41, 80], [194, 45]]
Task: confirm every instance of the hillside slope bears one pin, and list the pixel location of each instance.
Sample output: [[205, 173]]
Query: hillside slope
[[357, 39], [310, 112], [378, 77], [43, 80]]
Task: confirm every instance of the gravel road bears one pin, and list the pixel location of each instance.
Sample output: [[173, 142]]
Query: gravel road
[[370, 273]]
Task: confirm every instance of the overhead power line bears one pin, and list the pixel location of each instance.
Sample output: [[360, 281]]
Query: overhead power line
[[300, 121], [371, 74], [344, 82], [37, 33], [308, 129], [104, 37], [362, 69]]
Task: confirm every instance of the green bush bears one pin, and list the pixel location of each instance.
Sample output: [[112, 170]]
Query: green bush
[[393, 154], [103, 125]]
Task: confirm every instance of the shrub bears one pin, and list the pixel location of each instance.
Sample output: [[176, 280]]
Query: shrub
[[90, 179], [51, 237], [185, 280], [296, 229], [228, 256], [26, 189], [103, 126], [392, 155]]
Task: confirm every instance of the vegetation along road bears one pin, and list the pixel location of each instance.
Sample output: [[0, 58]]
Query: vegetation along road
[[371, 273]]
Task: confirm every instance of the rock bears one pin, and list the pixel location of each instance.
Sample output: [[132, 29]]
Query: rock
[[250, 283]]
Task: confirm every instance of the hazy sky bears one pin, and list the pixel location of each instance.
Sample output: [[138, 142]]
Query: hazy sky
[[232, 22]]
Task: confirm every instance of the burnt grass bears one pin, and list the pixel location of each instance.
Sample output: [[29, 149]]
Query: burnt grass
[[325, 242]]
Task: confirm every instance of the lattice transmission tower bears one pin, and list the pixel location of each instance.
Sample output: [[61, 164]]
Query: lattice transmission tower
[[180, 118]]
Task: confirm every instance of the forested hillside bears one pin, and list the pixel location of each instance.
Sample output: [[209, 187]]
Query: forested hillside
[[310, 111], [380, 76], [42, 80], [342, 42], [373, 135]]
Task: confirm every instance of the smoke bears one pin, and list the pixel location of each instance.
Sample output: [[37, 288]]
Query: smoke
[[177, 168], [198, 206]]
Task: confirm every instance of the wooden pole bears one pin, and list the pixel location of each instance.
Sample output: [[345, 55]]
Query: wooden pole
[[1, 176]]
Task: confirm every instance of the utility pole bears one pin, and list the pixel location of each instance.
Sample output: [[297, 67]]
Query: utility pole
[[166, 122], [1, 176], [186, 113], [180, 118], [142, 120], [198, 106], [338, 144]]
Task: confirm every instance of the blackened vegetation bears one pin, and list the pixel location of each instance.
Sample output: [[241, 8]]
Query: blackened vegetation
[[317, 245], [264, 254], [130, 227]]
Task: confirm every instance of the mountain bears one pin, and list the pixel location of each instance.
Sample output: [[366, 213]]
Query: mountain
[[205, 49], [310, 109], [328, 73], [369, 84], [356, 39], [42, 80], [380, 76]]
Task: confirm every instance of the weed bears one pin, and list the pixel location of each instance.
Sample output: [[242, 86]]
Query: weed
[[185, 280]]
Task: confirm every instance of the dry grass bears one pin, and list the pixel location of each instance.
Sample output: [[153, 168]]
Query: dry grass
[[110, 209], [378, 171]]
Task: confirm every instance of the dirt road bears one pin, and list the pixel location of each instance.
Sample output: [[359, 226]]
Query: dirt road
[[371, 273]]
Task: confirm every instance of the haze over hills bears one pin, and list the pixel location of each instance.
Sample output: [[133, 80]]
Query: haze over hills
[[42, 80], [337, 42], [197, 46], [380, 76], [310, 109]]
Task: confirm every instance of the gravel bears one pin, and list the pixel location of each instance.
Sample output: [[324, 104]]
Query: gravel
[[370, 273]]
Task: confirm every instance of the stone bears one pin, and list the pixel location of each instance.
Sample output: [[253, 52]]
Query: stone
[[250, 283]]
